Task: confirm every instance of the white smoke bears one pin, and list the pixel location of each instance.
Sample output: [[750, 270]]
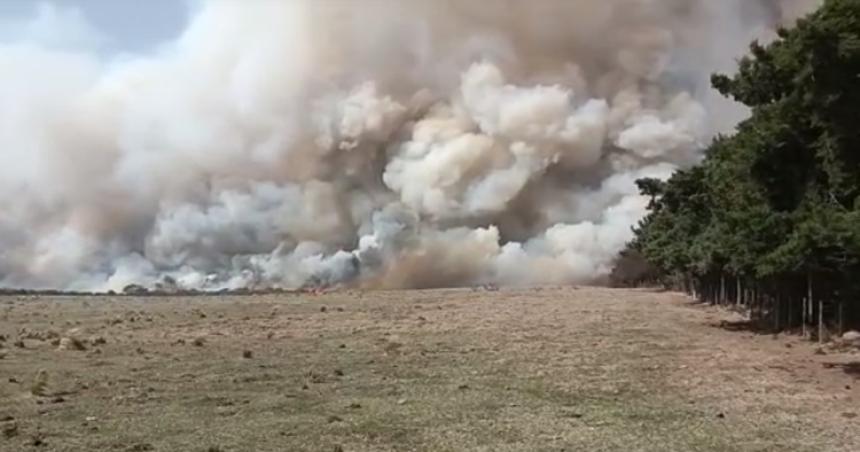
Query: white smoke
[[420, 143]]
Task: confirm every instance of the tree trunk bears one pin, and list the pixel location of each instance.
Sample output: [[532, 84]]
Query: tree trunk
[[790, 309], [803, 317], [821, 320], [737, 297], [712, 293], [807, 304], [777, 301], [841, 314], [755, 301]]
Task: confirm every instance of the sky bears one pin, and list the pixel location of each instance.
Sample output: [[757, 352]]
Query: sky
[[113, 26]]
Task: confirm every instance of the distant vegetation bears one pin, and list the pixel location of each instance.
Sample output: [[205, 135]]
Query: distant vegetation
[[771, 218]]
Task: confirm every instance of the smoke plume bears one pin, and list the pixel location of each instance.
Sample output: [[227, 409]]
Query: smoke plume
[[387, 144]]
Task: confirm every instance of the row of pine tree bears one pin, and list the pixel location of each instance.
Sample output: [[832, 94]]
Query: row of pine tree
[[770, 219]]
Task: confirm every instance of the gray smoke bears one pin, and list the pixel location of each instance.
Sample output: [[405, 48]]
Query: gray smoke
[[395, 144]]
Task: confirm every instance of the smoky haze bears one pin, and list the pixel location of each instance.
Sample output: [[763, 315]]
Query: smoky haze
[[383, 144]]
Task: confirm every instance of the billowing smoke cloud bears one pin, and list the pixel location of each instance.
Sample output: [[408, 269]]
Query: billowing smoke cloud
[[410, 144]]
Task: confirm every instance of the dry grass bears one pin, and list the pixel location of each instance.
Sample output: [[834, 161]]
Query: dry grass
[[514, 370]]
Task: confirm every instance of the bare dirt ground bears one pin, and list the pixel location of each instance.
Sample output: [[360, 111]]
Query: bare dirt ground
[[514, 370]]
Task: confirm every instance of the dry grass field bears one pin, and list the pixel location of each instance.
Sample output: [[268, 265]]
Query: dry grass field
[[454, 370]]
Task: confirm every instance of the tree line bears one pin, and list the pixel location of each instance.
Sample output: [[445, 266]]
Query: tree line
[[770, 219]]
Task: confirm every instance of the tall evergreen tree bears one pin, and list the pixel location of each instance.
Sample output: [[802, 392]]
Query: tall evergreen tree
[[775, 207]]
